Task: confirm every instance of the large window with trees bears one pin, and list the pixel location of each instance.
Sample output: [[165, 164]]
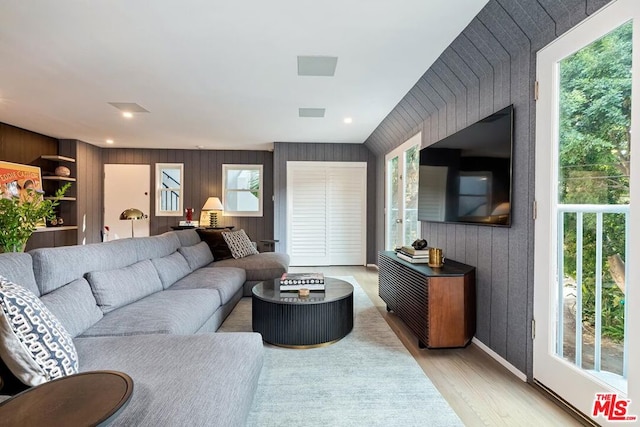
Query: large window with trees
[[586, 227]]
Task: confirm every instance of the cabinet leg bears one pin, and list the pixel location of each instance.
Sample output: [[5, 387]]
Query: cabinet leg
[[421, 344], [388, 308]]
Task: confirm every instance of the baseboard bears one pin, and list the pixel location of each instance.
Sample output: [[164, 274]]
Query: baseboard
[[515, 371], [372, 266]]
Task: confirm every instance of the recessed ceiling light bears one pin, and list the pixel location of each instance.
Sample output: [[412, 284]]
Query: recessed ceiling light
[[348, 120], [109, 141], [127, 114]]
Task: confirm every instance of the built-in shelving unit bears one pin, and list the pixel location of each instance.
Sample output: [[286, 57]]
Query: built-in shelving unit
[[66, 199], [65, 211], [58, 178], [60, 228], [58, 158]]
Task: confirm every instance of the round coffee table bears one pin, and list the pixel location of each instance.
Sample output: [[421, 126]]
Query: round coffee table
[[287, 320], [88, 398]]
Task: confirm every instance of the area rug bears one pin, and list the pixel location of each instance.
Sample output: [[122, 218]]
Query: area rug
[[366, 379]]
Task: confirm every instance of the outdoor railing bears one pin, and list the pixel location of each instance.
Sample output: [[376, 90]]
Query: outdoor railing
[[580, 211]]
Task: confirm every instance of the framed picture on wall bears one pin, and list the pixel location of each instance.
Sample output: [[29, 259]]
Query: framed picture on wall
[[16, 179]]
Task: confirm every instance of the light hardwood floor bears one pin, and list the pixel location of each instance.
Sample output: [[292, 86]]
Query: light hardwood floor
[[478, 388]]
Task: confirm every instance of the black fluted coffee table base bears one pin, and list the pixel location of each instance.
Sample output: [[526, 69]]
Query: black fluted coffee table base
[[286, 320]]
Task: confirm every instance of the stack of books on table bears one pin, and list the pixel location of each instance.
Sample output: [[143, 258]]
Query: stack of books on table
[[415, 256], [297, 281]]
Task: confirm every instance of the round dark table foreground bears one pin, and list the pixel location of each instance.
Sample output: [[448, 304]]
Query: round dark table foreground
[[85, 399], [287, 320]]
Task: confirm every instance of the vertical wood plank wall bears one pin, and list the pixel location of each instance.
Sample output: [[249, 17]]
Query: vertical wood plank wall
[[23, 146], [490, 65], [89, 189], [285, 151], [202, 179]]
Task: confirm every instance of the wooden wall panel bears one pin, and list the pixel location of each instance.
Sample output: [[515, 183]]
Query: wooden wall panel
[[490, 65], [23, 146], [284, 152], [203, 178]]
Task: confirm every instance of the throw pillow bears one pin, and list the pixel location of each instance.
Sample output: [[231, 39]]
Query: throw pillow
[[33, 343], [239, 243], [216, 242]]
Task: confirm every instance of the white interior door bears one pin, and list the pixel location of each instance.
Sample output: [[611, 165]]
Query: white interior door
[[126, 186], [326, 213], [587, 232]]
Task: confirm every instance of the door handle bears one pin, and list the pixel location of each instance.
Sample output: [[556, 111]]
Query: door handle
[[399, 221]]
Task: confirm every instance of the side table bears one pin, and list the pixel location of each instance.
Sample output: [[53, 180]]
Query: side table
[[270, 244], [87, 398]]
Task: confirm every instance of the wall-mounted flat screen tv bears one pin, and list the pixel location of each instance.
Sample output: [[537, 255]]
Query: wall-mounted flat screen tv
[[466, 177]]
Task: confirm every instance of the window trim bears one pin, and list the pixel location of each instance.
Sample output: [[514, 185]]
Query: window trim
[[229, 167], [159, 190]]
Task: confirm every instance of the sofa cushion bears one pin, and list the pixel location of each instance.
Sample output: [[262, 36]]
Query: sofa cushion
[[156, 246], [33, 343], [264, 266], [196, 380], [116, 288], [216, 242], [197, 255], [74, 305], [239, 243], [171, 268], [166, 312], [226, 281], [18, 267], [55, 267]]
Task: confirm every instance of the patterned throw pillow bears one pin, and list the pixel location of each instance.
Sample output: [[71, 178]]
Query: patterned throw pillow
[[33, 343], [239, 243]]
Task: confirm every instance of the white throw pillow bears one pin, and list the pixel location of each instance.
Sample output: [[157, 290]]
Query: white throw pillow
[[239, 243], [33, 343]]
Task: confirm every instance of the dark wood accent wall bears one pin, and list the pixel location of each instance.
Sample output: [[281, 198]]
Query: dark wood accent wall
[[490, 65], [286, 151], [23, 146], [203, 178], [88, 189]]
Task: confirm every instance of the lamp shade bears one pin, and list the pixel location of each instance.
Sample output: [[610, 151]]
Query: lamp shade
[[213, 204], [131, 214]]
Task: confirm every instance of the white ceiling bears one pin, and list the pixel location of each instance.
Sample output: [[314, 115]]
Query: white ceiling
[[215, 74]]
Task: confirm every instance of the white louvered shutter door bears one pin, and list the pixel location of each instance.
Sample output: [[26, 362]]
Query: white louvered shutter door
[[307, 196], [347, 219]]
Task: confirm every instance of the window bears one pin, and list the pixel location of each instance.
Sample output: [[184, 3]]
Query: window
[[401, 204], [169, 189], [242, 190]]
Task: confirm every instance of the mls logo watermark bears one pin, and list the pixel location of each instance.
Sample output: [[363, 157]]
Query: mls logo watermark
[[611, 407]]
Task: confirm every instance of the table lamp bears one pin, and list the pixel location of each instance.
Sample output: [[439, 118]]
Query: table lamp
[[213, 205]]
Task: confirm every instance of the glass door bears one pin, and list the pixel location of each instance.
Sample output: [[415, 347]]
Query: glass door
[[583, 237], [401, 205]]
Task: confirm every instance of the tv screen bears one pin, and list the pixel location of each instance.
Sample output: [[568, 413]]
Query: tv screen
[[466, 177]]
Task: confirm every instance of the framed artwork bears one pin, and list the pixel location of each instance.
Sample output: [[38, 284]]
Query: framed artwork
[[16, 179]]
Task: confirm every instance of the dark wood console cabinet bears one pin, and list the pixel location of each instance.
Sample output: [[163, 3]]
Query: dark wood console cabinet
[[437, 304]]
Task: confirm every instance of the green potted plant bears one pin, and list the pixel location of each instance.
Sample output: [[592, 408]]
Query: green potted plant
[[20, 216]]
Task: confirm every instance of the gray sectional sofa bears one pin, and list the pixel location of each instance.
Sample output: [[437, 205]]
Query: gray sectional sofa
[[148, 307]]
